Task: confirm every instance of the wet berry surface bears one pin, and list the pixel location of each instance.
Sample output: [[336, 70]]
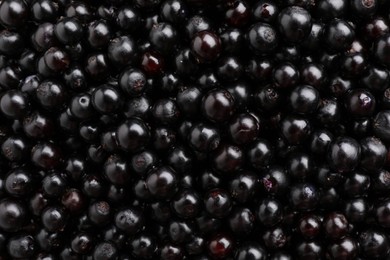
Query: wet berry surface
[[195, 129]]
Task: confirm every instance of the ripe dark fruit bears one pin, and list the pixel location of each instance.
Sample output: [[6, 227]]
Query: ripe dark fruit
[[373, 243], [360, 103], [304, 196], [218, 105], [218, 203], [338, 35], [344, 154], [206, 46], [220, 246], [262, 38], [13, 215], [381, 125], [132, 135], [294, 23], [194, 129]]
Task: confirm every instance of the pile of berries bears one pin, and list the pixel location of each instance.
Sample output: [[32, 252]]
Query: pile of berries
[[194, 129]]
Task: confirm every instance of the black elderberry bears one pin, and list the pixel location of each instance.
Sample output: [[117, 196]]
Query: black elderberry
[[218, 105], [21, 246], [68, 30], [13, 13], [294, 23], [13, 215], [132, 135], [262, 37], [220, 246], [374, 243], [338, 35]]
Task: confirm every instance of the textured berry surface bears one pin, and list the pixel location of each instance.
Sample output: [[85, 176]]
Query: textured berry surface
[[195, 129]]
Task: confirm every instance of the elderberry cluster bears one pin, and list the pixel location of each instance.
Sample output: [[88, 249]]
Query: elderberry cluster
[[194, 129]]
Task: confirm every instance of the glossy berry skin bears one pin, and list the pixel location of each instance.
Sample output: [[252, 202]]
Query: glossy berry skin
[[116, 170], [265, 11], [217, 203], [166, 111], [132, 135], [82, 243], [300, 166], [344, 154], [54, 219], [295, 129], [335, 225], [220, 246], [285, 75], [187, 204], [206, 46], [310, 226], [320, 141], [373, 243], [174, 11], [13, 215], [304, 99], [262, 38], [373, 154], [13, 13], [54, 185], [11, 42], [180, 159], [97, 66], [180, 231], [15, 148], [98, 34], [268, 98], [309, 249], [346, 248], [338, 35], [171, 252], [188, 100], [14, 104], [250, 250], [294, 23], [304, 196], [360, 103], [163, 37], [106, 99], [228, 158], [56, 59], [132, 82], [197, 24], [238, 14], [270, 212], [260, 154], [121, 51], [81, 106], [51, 94], [382, 214], [376, 78], [243, 188], [162, 182], [218, 105], [21, 246], [143, 246], [244, 123], [68, 30], [381, 125], [46, 155], [241, 221]]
